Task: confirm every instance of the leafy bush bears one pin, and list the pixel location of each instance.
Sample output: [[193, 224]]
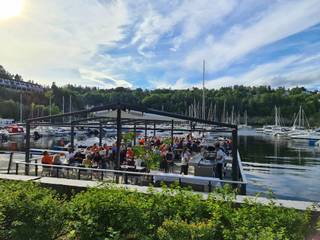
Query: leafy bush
[[28, 211], [95, 212], [181, 230]]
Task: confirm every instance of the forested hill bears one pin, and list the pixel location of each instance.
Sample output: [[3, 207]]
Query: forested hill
[[259, 102]]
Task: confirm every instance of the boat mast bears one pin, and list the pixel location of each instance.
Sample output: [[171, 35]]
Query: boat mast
[[20, 107], [215, 113], [203, 92], [63, 108], [224, 112], [70, 108]]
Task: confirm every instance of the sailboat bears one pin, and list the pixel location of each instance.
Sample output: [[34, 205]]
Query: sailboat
[[276, 129], [301, 128], [245, 125]]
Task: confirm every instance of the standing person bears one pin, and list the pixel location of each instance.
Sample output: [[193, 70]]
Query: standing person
[[185, 156], [163, 163], [220, 159], [169, 160]]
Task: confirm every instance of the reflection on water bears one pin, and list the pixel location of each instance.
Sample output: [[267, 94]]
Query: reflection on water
[[291, 169]]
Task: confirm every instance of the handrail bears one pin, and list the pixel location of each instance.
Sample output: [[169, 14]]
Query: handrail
[[124, 172], [243, 176]]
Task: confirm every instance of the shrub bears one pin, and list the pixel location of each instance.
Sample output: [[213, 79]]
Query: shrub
[[28, 211], [99, 213], [181, 230]]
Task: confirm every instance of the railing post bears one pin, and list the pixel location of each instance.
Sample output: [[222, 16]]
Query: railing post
[[36, 167], [243, 189], [118, 136], [172, 133], [17, 168], [145, 132], [235, 165], [79, 174], [72, 137], [10, 162], [135, 134], [27, 152], [100, 134]]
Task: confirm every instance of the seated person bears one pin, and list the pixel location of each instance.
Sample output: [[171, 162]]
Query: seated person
[[70, 156], [46, 159], [56, 159], [87, 162]]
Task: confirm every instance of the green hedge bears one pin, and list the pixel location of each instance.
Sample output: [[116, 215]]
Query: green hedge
[[28, 211]]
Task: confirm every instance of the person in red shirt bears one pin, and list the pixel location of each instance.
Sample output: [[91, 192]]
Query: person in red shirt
[[46, 159]]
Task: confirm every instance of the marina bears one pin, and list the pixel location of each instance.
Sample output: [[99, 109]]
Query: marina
[[289, 168]]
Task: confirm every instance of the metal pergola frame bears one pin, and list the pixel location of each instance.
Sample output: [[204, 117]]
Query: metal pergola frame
[[118, 122]]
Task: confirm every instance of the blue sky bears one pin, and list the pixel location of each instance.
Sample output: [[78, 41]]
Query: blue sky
[[161, 44]]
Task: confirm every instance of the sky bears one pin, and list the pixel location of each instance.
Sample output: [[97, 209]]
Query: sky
[[162, 44]]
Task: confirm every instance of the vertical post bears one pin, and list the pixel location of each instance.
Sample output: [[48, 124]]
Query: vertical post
[[135, 134], [171, 132], [70, 107], [72, 137], [235, 165], [63, 108], [27, 157], [50, 110], [145, 132], [154, 129], [100, 134], [118, 135], [10, 162], [20, 107]]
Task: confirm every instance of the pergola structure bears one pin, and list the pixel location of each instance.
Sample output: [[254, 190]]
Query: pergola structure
[[115, 116]]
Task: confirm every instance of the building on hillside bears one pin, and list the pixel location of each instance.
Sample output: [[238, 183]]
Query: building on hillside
[[20, 85]]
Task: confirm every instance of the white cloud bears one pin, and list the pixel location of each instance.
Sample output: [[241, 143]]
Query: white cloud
[[53, 36], [194, 16], [103, 79], [281, 20], [290, 71], [178, 84]]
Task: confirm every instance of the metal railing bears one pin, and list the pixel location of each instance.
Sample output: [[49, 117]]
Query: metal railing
[[243, 187], [137, 178]]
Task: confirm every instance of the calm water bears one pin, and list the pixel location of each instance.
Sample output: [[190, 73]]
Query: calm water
[[291, 169]]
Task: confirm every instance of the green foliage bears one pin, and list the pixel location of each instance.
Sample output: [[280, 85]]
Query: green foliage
[[150, 158], [96, 211], [30, 212], [258, 101], [180, 230], [128, 137]]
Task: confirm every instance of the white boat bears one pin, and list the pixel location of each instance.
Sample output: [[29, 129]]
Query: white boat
[[43, 131], [276, 129], [301, 127], [245, 125]]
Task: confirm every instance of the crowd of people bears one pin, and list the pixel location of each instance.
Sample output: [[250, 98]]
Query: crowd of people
[[179, 150]]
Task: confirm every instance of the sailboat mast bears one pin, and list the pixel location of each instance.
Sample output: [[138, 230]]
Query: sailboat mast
[[70, 107], [20, 107], [203, 92]]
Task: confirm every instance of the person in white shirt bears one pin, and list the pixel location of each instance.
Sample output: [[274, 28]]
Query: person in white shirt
[[185, 157], [220, 159]]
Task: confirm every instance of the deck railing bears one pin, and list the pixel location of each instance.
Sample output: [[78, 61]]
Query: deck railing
[[137, 178]]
